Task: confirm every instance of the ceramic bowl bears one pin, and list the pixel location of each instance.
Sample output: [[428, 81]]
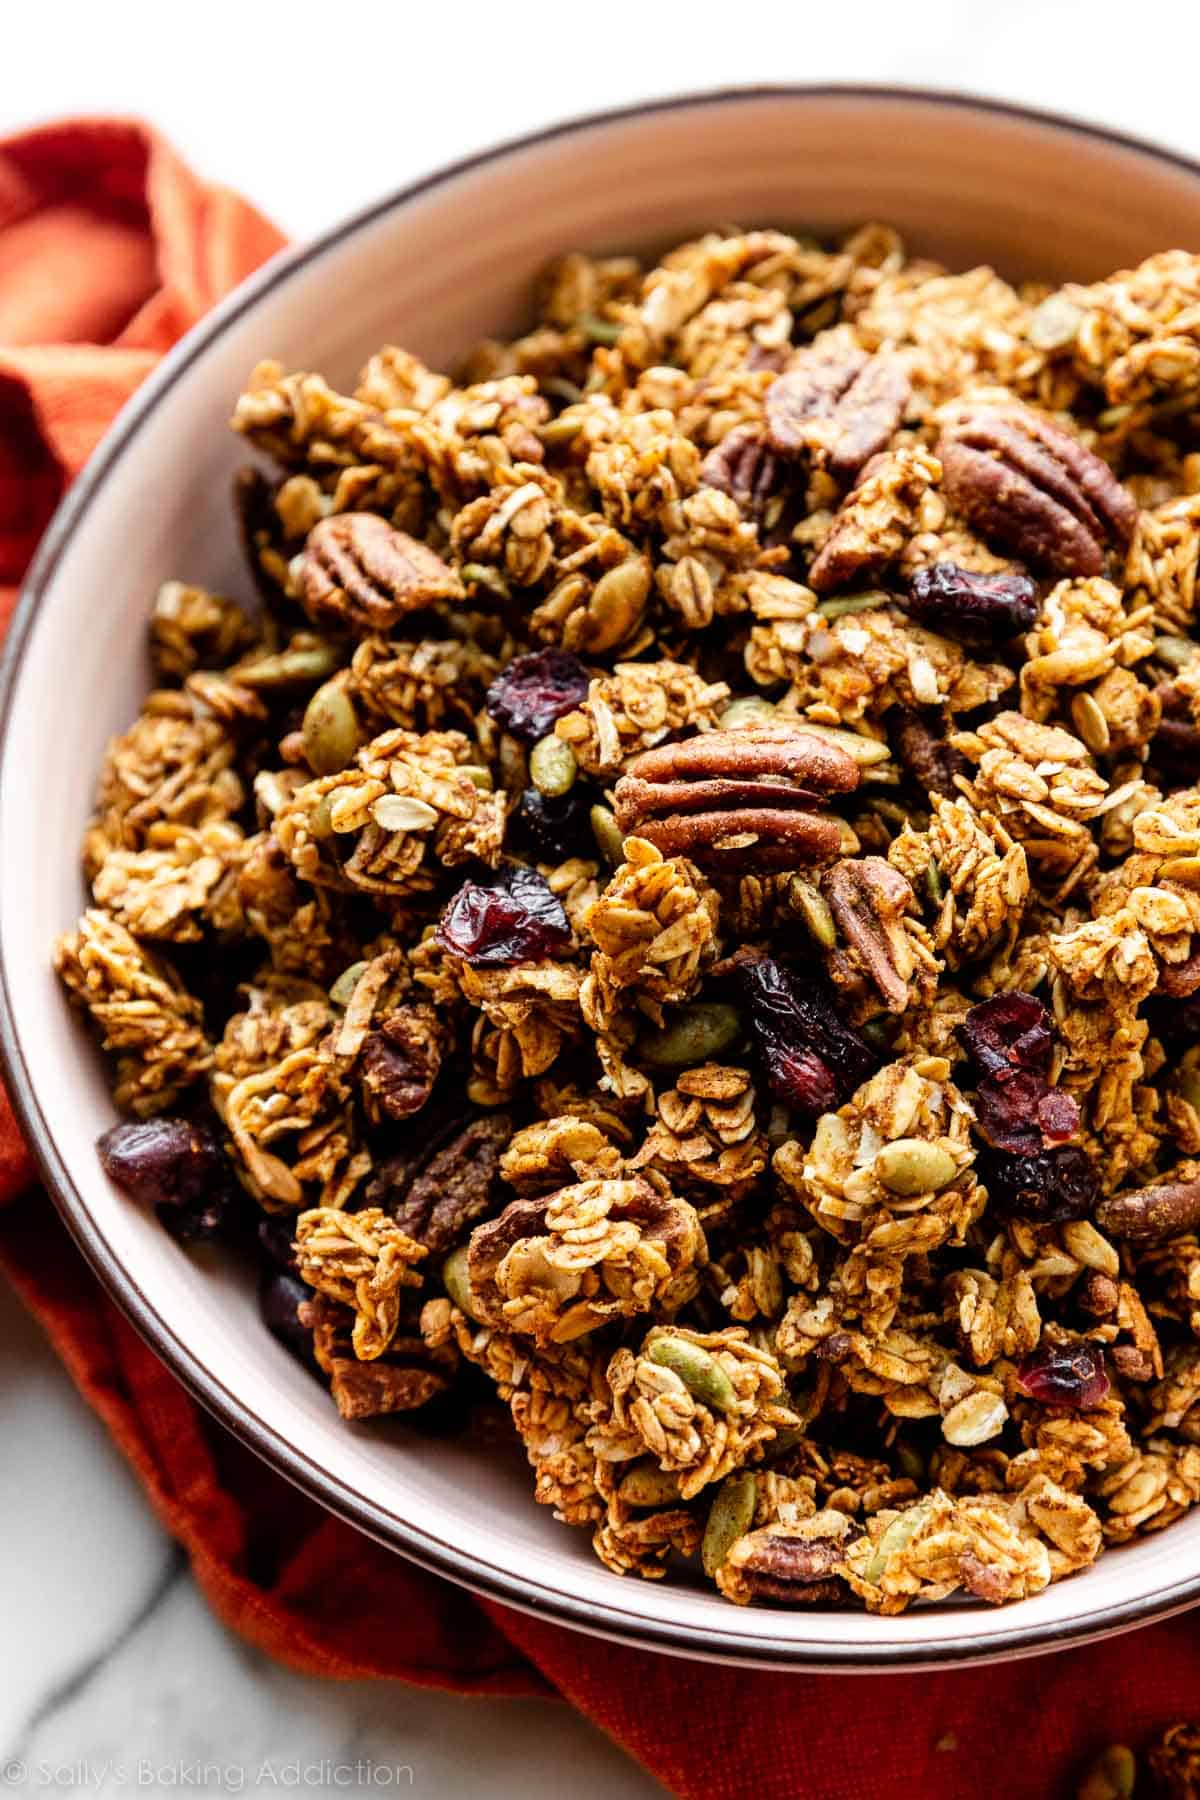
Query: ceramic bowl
[[435, 267]]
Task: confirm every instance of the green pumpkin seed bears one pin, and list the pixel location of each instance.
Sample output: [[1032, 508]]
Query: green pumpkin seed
[[699, 1372], [287, 668], [478, 777], [321, 822], [1113, 1775], [898, 1534], [615, 609], [608, 835], [933, 882], [648, 1485], [911, 1462], [693, 1034], [877, 1032], [552, 767], [730, 1518], [456, 1281], [599, 331], [845, 604], [813, 908], [343, 988], [752, 710], [912, 1166], [483, 575], [864, 750], [330, 730]]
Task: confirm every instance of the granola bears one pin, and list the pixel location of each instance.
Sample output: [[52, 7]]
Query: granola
[[674, 899]]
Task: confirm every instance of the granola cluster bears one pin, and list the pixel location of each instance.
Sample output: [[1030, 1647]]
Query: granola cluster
[[674, 914]]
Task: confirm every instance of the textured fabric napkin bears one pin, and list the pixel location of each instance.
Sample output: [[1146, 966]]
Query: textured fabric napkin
[[109, 249]]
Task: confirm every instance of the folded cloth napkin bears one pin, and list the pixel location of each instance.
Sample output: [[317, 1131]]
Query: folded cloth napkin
[[109, 249]]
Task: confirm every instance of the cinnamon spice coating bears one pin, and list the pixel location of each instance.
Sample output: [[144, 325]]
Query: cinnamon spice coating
[[675, 888]]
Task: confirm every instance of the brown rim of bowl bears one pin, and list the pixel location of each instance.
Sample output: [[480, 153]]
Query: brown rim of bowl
[[616, 1621]]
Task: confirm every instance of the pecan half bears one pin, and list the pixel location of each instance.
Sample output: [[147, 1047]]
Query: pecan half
[[837, 403], [742, 466], [409, 1374], [791, 1571], [458, 1186], [358, 571], [738, 798], [439, 1202], [1030, 487], [868, 900], [1152, 1213]]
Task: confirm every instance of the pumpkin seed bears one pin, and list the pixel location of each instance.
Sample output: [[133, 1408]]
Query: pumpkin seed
[[752, 710], [343, 988], [1113, 1775], [699, 1372], [845, 604], [729, 1518], [933, 882], [552, 767], [694, 1034], [484, 575], [1090, 723], [615, 609], [813, 908], [288, 668], [456, 1281], [911, 1166], [599, 331], [864, 750], [608, 836], [321, 822], [330, 730], [899, 1533], [478, 777], [648, 1485]]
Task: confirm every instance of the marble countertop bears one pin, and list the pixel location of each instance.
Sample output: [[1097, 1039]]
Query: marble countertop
[[116, 1678]]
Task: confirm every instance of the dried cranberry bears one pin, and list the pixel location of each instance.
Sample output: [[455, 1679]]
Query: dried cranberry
[[555, 829], [1048, 1188], [1064, 1375], [813, 1060], [1008, 1032], [175, 1166], [1019, 1112], [509, 918], [280, 1297], [981, 609], [535, 691]]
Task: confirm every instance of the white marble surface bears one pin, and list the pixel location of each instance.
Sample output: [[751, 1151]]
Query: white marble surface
[[114, 1678]]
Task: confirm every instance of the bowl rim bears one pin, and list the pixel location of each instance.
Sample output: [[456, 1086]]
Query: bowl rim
[[614, 1621]]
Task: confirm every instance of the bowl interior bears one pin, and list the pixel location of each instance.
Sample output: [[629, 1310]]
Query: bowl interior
[[435, 270]]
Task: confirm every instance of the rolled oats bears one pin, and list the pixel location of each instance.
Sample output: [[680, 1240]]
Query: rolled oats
[[588, 860]]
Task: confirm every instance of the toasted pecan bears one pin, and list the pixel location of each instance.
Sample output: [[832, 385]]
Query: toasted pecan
[[738, 797]]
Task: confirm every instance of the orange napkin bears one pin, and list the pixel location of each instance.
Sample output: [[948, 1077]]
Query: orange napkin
[[109, 249]]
